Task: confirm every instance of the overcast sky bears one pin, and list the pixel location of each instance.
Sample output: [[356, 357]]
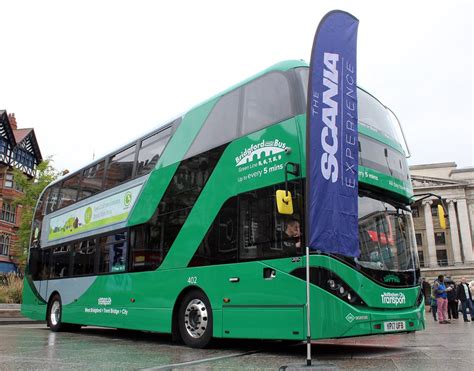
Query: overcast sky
[[90, 76]]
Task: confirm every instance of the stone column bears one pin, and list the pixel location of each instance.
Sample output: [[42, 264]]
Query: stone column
[[465, 231], [453, 226], [432, 260]]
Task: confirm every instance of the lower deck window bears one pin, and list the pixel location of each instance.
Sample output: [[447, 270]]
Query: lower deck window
[[61, 262], [113, 253], [248, 227]]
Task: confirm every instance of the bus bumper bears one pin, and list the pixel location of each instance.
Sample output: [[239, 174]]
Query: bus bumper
[[376, 322]]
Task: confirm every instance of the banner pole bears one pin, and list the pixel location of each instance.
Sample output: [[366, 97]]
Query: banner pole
[[308, 311]]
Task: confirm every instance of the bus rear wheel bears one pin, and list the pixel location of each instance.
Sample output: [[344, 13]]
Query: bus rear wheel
[[54, 316], [195, 320]]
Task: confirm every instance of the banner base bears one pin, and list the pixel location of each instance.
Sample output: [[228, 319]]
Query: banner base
[[314, 366]]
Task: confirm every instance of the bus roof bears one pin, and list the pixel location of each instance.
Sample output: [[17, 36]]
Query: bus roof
[[281, 66]]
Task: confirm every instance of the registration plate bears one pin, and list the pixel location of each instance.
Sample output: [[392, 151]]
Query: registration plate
[[394, 326]]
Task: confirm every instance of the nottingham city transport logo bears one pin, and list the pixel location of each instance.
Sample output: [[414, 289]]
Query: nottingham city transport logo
[[104, 301], [393, 298], [259, 151]]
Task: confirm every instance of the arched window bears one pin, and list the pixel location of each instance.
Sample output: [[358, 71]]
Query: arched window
[[8, 213], [6, 246], [3, 248]]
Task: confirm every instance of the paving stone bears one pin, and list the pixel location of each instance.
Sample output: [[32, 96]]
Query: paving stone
[[28, 346]]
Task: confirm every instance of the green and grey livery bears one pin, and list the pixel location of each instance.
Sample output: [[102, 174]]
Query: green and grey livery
[[178, 231]]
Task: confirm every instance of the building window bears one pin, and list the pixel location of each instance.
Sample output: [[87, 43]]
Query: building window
[[434, 210], [9, 180], [3, 146], [4, 245], [440, 238], [419, 239], [415, 212], [421, 258], [442, 257], [18, 187], [23, 157], [8, 213]]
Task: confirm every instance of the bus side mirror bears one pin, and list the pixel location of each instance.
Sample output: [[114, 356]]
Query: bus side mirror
[[442, 217], [284, 202]]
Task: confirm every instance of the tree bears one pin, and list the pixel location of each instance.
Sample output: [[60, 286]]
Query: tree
[[32, 188]]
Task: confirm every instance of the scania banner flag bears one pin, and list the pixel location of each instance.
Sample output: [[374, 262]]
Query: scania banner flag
[[332, 139]]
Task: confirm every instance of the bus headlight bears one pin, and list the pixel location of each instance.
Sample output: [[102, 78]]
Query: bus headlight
[[330, 282]]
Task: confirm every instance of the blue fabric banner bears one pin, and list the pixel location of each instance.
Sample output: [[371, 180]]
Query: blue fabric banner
[[332, 138]]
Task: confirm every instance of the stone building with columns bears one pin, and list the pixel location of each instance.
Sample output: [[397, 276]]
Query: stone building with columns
[[444, 251]]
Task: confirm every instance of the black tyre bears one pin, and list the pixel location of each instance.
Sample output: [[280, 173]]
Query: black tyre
[[195, 320], [54, 316]]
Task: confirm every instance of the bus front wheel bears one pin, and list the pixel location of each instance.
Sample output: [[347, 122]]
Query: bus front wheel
[[195, 320]]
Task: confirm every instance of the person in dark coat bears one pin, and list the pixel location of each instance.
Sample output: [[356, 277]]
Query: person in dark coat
[[464, 295], [452, 299]]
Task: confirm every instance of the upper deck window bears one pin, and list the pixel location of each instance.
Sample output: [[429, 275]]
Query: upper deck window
[[220, 127], [373, 114], [120, 167], [53, 199], [92, 180], [150, 151], [69, 190], [266, 101]]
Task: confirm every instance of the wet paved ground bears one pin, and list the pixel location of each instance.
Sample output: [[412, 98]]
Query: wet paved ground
[[440, 347]]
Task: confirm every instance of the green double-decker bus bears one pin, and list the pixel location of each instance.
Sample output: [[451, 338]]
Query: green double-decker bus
[[179, 232]]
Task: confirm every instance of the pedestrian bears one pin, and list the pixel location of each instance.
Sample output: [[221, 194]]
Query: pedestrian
[[441, 294], [464, 295], [452, 300], [433, 305], [471, 288], [426, 288]]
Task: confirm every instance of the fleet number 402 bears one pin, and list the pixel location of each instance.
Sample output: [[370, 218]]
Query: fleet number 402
[[192, 280]]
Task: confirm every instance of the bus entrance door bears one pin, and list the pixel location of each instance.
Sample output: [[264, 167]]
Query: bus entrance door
[[260, 305]]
